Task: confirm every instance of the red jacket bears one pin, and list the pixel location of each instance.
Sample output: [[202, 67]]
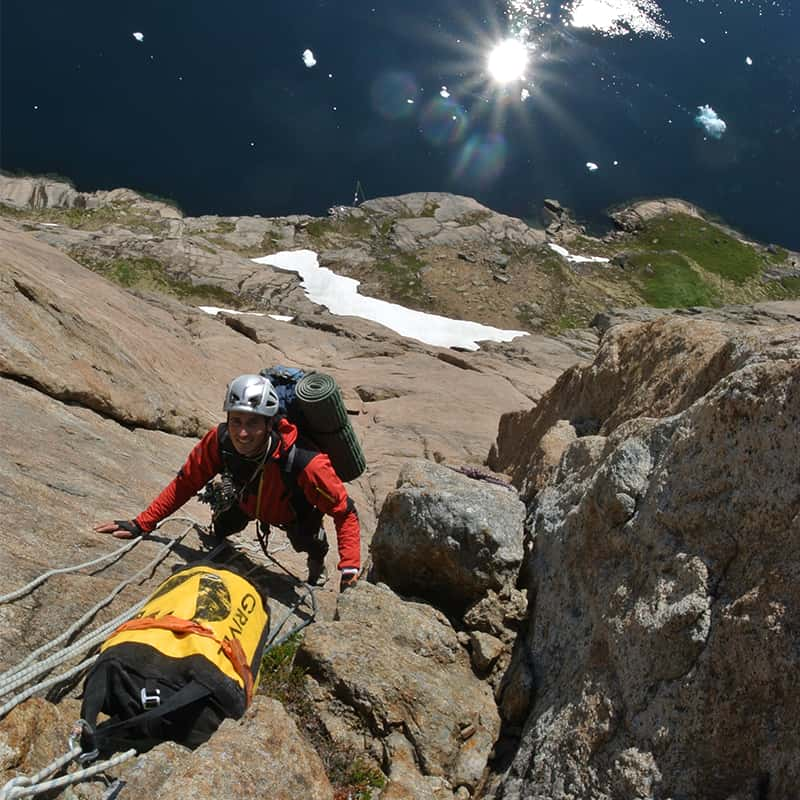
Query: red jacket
[[318, 480]]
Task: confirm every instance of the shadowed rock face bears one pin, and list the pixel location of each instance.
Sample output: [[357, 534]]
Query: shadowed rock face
[[665, 553]]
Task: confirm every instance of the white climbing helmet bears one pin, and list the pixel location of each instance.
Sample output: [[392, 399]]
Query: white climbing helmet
[[251, 393]]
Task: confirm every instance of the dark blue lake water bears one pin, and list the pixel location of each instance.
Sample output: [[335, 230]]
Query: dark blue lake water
[[214, 106]]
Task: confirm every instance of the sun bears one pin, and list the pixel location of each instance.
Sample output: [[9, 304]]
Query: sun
[[508, 61]]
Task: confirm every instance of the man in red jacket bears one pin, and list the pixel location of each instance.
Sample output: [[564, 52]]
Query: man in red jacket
[[271, 477]]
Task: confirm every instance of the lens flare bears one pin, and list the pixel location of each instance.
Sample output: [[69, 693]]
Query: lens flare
[[482, 158], [508, 61], [394, 95], [443, 121]]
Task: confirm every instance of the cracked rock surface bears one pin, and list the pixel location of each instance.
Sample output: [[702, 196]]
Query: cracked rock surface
[[664, 559]]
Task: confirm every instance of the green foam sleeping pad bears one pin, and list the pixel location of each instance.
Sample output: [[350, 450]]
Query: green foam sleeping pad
[[325, 416], [321, 402], [344, 452]]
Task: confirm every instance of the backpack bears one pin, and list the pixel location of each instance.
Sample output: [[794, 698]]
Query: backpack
[[284, 380], [182, 665], [313, 402]]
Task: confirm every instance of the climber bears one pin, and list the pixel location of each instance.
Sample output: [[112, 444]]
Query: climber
[[265, 477]]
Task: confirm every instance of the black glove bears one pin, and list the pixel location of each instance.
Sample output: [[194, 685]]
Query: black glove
[[130, 525]]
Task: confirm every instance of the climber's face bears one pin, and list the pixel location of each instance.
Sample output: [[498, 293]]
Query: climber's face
[[249, 432]]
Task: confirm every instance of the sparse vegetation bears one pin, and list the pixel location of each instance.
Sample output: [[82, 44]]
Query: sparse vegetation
[[150, 275], [347, 225], [401, 273], [282, 680], [225, 226], [777, 255], [351, 775], [242, 250], [358, 781], [474, 218], [89, 219]]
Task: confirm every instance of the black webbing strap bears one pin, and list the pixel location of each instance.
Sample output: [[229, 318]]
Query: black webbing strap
[[106, 735]]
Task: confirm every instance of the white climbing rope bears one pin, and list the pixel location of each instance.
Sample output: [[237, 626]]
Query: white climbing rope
[[27, 671], [46, 684], [7, 598], [20, 677], [23, 786], [78, 624], [38, 777]]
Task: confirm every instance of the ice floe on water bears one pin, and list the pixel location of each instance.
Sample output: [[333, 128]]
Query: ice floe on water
[[710, 121]]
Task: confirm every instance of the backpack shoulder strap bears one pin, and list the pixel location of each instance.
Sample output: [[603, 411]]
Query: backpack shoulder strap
[[298, 456], [291, 464]]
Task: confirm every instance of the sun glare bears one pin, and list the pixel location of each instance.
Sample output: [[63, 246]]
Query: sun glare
[[507, 61]]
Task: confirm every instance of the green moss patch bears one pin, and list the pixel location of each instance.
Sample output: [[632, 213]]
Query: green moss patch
[[707, 245], [667, 280]]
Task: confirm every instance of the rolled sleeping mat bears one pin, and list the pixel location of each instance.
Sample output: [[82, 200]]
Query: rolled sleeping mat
[[321, 402], [344, 451]]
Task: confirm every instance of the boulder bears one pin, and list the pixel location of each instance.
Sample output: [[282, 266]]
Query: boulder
[[38, 193], [262, 753], [447, 538], [387, 667]]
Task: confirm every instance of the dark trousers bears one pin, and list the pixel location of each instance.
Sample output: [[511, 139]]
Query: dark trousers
[[306, 533]]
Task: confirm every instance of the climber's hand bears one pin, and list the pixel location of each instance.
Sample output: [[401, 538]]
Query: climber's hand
[[120, 528]]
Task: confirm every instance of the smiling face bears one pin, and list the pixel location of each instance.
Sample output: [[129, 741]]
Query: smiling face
[[249, 432]]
